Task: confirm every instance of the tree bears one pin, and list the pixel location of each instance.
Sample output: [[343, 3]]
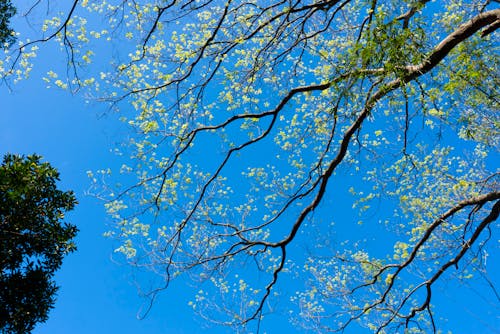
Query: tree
[[6, 12], [33, 240], [252, 122]]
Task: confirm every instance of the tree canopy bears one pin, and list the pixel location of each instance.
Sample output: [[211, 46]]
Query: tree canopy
[[33, 240], [347, 150], [6, 12]]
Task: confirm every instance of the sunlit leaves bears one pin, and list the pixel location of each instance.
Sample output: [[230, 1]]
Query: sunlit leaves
[[219, 80]]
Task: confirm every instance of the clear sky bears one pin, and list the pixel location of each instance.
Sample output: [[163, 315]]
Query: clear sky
[[97, 294]]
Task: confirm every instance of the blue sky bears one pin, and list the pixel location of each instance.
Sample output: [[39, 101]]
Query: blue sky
[[97, 293]]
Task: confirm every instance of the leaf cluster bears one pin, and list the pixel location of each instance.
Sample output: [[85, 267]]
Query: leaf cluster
[[6, 12], [33, 240]]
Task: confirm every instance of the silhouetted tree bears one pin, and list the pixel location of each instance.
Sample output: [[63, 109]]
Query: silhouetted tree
[[33, 240], [6, 12]]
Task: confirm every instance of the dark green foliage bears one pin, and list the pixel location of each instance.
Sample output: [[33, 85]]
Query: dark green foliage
[[6, 12], [33, 240]]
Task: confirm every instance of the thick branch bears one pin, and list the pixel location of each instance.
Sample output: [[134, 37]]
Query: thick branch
[[463, 32]]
